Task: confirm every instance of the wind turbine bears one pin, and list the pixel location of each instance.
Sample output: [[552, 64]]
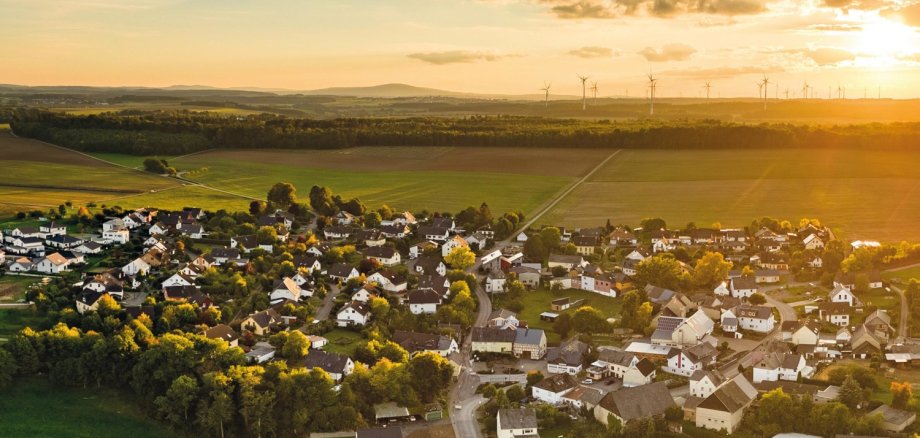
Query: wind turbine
[[759, 90], [766, 90], [545, 89], [652, 83], [805, 90], [594, 90], [708, 87], [839, 92], [584, 79]]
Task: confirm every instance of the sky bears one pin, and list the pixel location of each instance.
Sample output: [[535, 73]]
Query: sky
[[484, 46]]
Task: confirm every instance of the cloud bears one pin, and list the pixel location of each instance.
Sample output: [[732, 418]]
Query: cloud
[[824, 56], [456, 57], [910, 14], [592, 52], [578, 9], [914, 57], [583, 9], [670, 52], [835, 27], [721, 72], [857, 4]]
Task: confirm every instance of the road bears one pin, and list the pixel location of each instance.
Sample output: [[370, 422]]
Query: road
[[904, 320], [463, 394], [322, 313]]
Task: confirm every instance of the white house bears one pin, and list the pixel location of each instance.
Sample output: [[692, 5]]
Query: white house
[[388, 281], [286, 289], [551, 389], [353, 313], [495, 281], [52, 264], [743, 287], [384, 255], [813, 242], [116, 235], [724, 409], [453, 243], [642, 373], [514, 423], [774, 367], [423, 301], [704, 383], [758, 319], [687, 361], [841, 294]]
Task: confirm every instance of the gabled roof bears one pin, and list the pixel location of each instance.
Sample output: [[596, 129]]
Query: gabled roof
[[732, 396], [529, 336], [638, 402], [518, 418], [755, 312], [492, 334], [570, 352], [557, 383], [330, 362], [223, 332], [424, 296]]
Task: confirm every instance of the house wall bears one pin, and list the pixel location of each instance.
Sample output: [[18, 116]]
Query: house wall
[[718, 420]]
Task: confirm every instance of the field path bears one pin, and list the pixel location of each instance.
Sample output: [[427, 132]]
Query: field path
[[552, 202]]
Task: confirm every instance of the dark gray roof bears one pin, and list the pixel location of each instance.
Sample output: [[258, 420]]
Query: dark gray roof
[[570, 352], [489, 334], [329, 362], [528, 336], [520, 418], [639, 402], [557, 383]]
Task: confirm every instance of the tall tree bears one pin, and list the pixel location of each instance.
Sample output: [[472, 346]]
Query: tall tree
[[282, 195], [711, 269]]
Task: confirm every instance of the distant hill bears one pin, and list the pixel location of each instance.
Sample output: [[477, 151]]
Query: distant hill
[[385, 90]]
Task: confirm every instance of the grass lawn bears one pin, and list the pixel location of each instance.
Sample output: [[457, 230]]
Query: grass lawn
[[342, 341], [844, 188], [13, 286], [905, 275], [13, 320], [184, 196], [538, 301], [883, 393], [36, 408]]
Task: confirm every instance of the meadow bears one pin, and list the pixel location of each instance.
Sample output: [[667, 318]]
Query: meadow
[[37, 408], [412, 178], [39, 175], [861, 194], [538, 301], [904, 275]]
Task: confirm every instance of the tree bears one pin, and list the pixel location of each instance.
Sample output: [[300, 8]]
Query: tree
[[711, 269], [534, 377], [257, 207], [156, 166], [282, 195], [661, 270], [901, 393], [181, 395], [8, 368], [430, 374], [380, 307], [861, 282], [563, 325], [652, 224], [551, 238], [589, 320], [296, 346], [515, 393], [461, 258], [851, 394], [534, 248], [757, 299]]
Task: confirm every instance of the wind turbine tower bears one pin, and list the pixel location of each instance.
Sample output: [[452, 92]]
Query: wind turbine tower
[[594, 91], [766, 90], [652, 84], [545, 90], [708, 87], [584, 96]]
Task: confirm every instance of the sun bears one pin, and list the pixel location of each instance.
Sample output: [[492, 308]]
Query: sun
[[885, 38]]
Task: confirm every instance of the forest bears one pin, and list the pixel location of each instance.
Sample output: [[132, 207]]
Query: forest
[[181, 132]]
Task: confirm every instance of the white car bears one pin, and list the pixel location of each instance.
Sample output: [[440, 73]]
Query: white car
[[587, 381], [458, 407]]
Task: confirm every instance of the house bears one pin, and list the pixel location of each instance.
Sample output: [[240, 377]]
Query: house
[[835, 313], [521, 238], [687, 361], [336, 365], [404, 218], [658, 295], [584, 245], [286, 289], [52, 228], [504, 319], [623, 237], [495, 281], [452, 244], [758, 319], [476, 240], [743, 287], [567, 358], [420, 248], [773, 367], [343, 272], [430, 265], [493, 340], [353, 313], [372, 238], [529, 343], [611, 363], [365, 294], [848, 280], [566, 261], [383, 255], [841, 294], [894, 420], [388, 281], [879, 323], [224, 333], [415, 343], [63, 241], [88, 248], [813, 242], [625, 405], [729, 322], [693, 330], [723, 409], [88, 301], [261, 323], [344, 218], [803, 332], [381, 432], [317, 342], [177, 279], [261, 352], [52, 264], [641, 373], [530, 277], [552, 388], [766, 276], [423, 301], [433, 233], [583, 397], [865, 342], [337, 232], [703, 383], [516, 423], [307, 263]]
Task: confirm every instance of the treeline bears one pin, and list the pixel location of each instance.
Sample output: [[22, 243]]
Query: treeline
[[179, 132]]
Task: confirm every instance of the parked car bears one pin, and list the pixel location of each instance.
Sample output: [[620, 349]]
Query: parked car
[[587, 381]]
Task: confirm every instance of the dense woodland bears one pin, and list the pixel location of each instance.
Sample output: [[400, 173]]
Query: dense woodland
[[180, 132]]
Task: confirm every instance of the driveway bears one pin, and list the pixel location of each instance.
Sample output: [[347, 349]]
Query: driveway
[[322, 313]]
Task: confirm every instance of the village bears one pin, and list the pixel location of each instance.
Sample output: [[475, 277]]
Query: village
[[614, 328]]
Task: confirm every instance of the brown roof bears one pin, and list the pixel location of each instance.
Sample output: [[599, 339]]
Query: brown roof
[[638, 402], [557, 383]]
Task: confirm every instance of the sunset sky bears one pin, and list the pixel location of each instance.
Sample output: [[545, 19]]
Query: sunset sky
[[490, 46]]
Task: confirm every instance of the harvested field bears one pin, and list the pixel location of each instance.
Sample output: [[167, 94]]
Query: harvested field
[[861, 194]]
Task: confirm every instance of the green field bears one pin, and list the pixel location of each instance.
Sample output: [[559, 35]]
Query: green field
[[904, 275], [36, 408], [12, 287], [861, 194], [13, 320], [538, 301]]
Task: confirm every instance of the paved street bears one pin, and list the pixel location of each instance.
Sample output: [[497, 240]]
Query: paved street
[[322, 313]]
